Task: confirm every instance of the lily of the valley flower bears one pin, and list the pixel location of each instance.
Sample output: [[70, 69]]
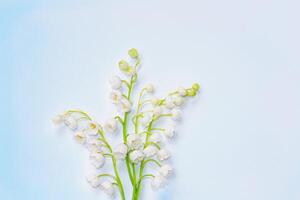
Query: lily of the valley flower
[[93, 180], [149, 88], [163, 154], [136, 156], [108, 188], [145, 120], [158, 182], [124, 105], [150, 151], [111, 125], [155, 138], [115, 96], [97, 159], [176, 114], [134, 141], [181, 91], [177, 100], [80, 137], [58, 119], [115, 82], [170, 132], [92, 128], [94, 145], [155, 101], [157, 111], [71, 122], [169, 102], [165, 170], [120, 151]]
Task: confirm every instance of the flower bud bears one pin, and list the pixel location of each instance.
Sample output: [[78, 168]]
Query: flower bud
[[133, 53], [196, 86], [191, 92], [155, 101], [123, 66]]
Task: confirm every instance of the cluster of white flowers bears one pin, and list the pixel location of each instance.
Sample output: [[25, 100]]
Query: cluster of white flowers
[[145, 143]]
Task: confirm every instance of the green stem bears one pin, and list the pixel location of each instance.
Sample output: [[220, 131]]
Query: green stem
[[125, 134], [142, 166], [117, 177]]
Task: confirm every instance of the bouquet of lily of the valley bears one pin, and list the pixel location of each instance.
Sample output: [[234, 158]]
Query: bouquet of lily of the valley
[[143, 135]]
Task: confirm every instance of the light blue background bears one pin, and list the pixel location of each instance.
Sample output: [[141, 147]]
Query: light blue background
[[239, 139]]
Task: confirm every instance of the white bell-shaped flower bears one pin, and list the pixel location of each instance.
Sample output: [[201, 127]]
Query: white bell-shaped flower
[[58, 119], [145, 120], [120, 151], [155, 101], [124, 105], [176, 114], [158, 182], [108, 188], [169, 102], [115, 96], [150, 151], [177, 100], [71, 122], [92, 128], [80, 137], [157, 111], [94, 145], [136, 156], [155, 138], [111, 125], [165, 170], [170, 132], [163, 154], [181, 91], [97, 159], [134, 141], [115, 82], [149, 88], [93, 180]]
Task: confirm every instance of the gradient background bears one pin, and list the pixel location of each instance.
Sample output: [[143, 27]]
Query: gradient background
[[239, 139]]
